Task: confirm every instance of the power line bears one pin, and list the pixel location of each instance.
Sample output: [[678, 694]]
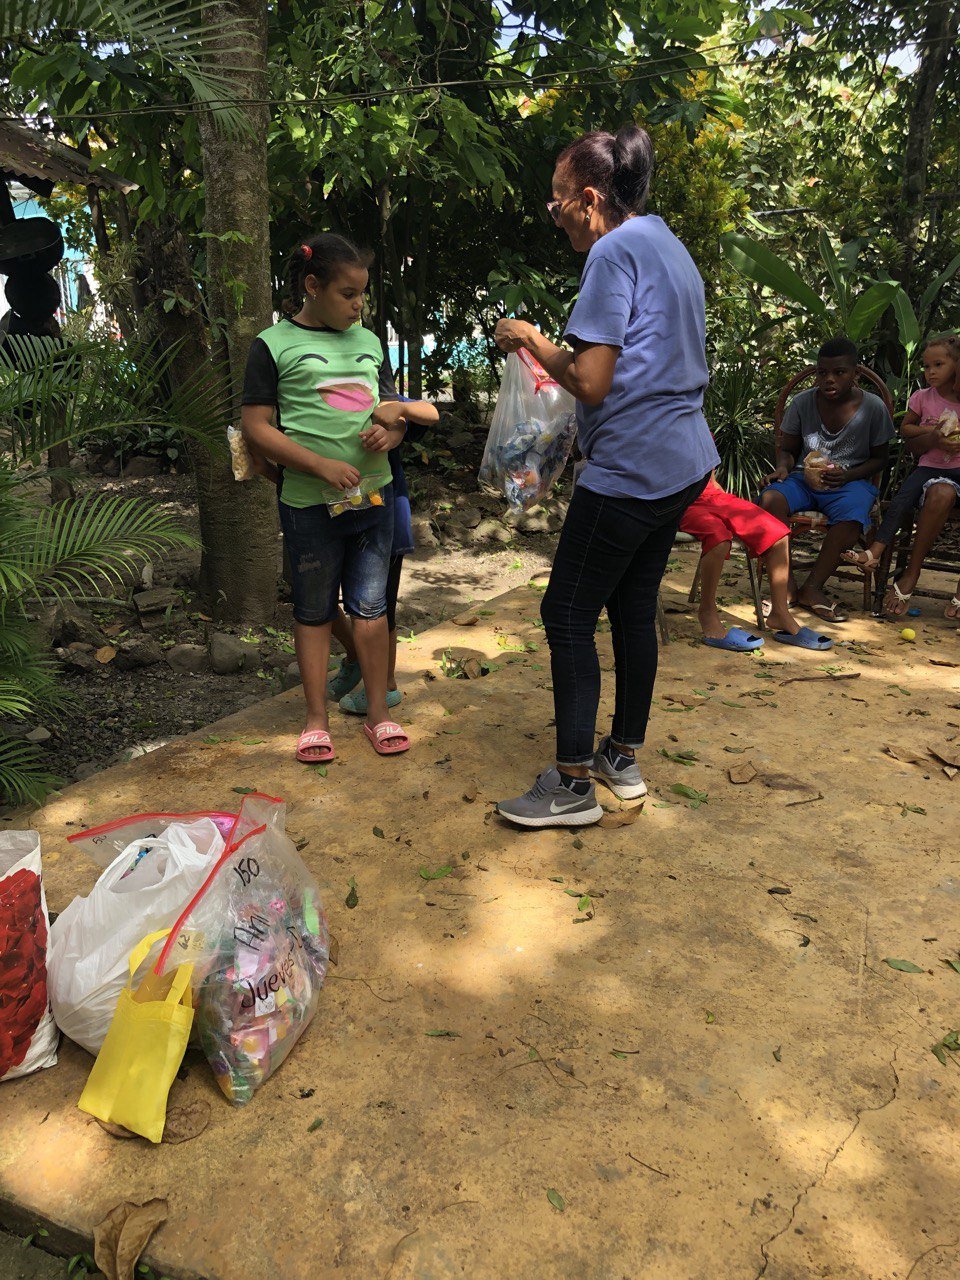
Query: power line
[[545, 81]]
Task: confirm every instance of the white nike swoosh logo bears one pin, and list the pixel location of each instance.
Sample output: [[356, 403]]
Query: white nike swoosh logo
[[562, 808]]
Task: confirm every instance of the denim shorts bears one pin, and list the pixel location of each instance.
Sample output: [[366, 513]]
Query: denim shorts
[[330, 555], [852, 501]]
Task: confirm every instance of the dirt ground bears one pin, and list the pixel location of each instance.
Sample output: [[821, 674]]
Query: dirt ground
[[710, 1071]]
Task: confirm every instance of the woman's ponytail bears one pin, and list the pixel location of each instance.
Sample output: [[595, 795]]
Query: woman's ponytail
[[632, 168], [620, 166]]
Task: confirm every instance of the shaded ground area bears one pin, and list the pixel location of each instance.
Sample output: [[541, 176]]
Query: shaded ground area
[[710, 1065]]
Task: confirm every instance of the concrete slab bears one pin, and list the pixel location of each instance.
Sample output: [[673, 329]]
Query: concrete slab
[[718, 1080]]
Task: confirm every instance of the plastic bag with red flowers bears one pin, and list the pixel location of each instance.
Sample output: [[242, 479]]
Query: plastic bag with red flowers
[[28, 1033]]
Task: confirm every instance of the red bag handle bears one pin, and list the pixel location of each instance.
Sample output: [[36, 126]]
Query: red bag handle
[[541, 378]]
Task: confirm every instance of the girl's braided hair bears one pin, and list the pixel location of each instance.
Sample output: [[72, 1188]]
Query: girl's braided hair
[[322, 256]]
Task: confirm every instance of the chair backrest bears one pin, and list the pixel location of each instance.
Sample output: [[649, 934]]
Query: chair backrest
[[865, 374]]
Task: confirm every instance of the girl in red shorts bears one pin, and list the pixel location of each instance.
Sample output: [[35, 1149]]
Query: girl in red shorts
[[716, 518]]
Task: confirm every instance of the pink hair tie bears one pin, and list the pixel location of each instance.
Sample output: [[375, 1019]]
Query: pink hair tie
[[307, 251]]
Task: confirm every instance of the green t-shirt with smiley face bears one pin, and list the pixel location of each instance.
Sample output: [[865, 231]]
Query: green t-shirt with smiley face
[[324, 386]]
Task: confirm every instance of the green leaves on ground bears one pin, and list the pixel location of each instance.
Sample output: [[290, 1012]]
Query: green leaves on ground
[[679, 757], [440, 1035], [426, 874], [244, 791], [315, 1125], [949, 1044], [911, 808], [556, 1199], [378, 832], [904, 966], [352, 898], [697, 798]]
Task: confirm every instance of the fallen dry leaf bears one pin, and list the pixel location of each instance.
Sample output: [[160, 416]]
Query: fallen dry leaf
[[472, 669], [950, 771], [905, 754], [741, 773], [114, 629], [105, 654], [334, 951], [943, 662], [467, 620], [947, 753], [625, 818], [186, 1122], [784, 782], [122, 1236], [470, 793], [115, 1130]]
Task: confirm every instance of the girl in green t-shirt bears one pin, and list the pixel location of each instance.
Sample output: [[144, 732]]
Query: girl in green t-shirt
[[310, 407]]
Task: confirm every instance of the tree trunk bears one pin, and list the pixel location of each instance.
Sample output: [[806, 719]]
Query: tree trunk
[[939, 35], [238, 521]]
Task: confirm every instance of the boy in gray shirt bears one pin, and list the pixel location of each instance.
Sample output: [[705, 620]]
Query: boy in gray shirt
[[844, 435]]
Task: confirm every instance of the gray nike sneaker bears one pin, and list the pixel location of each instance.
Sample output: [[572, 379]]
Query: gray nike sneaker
[[549, 803], [626, 784]]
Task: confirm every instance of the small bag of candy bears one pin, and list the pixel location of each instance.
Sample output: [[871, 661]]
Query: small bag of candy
[[356, 499], [257, 938], [531, 434]]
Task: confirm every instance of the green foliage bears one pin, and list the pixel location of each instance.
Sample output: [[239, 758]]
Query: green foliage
[[50, 553], [734, 406]]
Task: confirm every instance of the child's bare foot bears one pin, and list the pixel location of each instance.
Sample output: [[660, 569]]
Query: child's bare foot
[[782, 620], [952, 611], [313, 745], [710, 624]]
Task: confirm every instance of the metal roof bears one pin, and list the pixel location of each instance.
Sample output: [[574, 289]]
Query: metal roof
[[32, 156]]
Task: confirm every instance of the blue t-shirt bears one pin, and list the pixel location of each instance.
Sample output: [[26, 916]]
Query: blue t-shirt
[[640, 291]]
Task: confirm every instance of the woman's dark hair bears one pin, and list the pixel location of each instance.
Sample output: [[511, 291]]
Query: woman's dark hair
[[322, 256], [620, 166]]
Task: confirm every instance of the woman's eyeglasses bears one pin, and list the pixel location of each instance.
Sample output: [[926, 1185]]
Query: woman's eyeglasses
[[555, 208]]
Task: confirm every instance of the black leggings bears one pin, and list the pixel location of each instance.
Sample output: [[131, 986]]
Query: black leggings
[[907, 497], [612, 554]]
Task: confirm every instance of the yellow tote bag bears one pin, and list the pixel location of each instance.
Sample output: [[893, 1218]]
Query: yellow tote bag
[[143, 1050]]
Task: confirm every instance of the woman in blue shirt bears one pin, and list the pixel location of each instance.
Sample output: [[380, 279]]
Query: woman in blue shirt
[[636, 365]]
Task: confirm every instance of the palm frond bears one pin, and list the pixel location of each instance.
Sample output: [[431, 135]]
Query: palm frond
[[171, 29], [71, 548], [24, 774]]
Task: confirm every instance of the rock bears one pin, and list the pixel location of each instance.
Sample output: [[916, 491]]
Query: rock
[[466, 517], [534, 522], [291, 677], [38, 735], [423, 533], [86, 770], [188, 657], [139, 468], [229, 654], [80, 659], [459, 439], [70, 624], [490, 530], [139, 652], [511, 518], [684, 537], [110, 467], [152, 605]]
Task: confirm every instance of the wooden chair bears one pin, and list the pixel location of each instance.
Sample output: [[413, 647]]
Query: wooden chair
[[812, 521]]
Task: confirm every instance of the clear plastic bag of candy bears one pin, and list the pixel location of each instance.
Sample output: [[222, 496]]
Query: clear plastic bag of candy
[[256, 936], [531, 434], [358, 498]]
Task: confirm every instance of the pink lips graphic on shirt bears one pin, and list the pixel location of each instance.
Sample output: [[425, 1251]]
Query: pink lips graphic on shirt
[[348, 397]]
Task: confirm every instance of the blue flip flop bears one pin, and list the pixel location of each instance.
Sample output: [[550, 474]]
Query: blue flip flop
[[355, 704], [736, 640], [806, 638]]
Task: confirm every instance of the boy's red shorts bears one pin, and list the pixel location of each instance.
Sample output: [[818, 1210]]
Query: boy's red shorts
[[718, 517]]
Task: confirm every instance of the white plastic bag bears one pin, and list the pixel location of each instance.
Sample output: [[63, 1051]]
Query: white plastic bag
[[531, 434], [142, 891], [104, 843], [256, 937], [28, 1034]]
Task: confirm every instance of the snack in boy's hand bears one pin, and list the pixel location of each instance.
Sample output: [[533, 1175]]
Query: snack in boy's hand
[[240, 459], [814, 465]]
